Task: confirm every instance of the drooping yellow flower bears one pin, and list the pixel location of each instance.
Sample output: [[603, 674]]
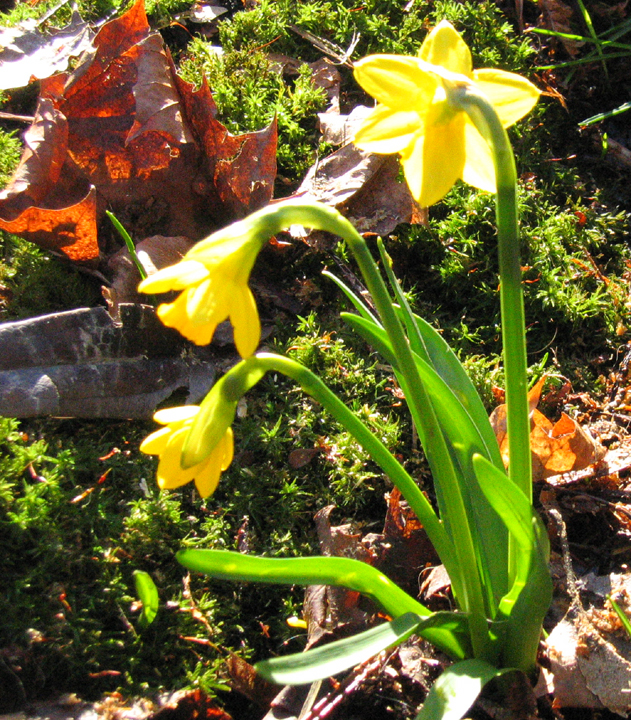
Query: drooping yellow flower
[[167, 444], [416, 116], [213, 276]]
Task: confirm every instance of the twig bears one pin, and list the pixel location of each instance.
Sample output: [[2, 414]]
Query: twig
[[17, 118], [329, 702], [341, 56]]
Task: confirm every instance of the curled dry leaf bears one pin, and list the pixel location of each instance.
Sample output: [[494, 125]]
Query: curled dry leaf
[[126, 133], [556, 448], [28, 53]]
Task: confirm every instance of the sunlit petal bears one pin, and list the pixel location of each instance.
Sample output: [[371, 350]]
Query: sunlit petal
[[207, 479], [434, 150], [155, 443], [174, 277], [435, 161], [228, 449], [512, 95], [444, 47], [173, 314], [387, 131], [479, 170], [395, 80], [170, 473], [201, 301], [245, 320], [175, 414]]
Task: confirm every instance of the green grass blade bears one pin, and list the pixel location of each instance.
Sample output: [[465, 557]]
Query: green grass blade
[[598, 42], [605, 115], [626, 624], [335, 657], [582, 61], [336, 571], [581, 38], [131, 248], [148, 595], [457, 689]]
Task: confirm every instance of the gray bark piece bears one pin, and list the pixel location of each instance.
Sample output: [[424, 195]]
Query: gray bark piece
[[81, 363]]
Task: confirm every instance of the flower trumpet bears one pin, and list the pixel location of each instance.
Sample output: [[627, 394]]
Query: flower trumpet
[[167, 443], [418, 114]]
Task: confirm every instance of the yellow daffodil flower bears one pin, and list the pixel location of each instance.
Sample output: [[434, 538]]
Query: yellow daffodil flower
[[213, 276], [417, 117], [167, 444]]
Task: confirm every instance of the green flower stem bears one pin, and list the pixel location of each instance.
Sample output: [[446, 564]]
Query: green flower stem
[[314, 387], [484, 116], [463, 571], [461, 563]]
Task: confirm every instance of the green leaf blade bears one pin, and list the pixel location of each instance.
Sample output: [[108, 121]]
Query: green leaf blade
[[331, 659], [148, 595], [457, 689]]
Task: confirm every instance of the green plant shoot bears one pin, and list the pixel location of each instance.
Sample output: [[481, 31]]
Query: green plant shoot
[[447, 122]]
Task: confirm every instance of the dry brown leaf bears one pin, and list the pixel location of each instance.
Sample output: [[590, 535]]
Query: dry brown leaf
[[154, 253], [301, 457], [556, 15], [556, 448], [126, 131], [590, 668], [28, 53], [81, 363]]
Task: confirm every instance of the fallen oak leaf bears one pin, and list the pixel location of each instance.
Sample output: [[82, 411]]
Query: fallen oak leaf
[[148, 143], [27, 52], [556, 448]]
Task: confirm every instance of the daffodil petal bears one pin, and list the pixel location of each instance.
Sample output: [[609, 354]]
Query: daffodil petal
[[228, 449], [245, 320], [444, 46], [512, 95], [207, 478], [176, 414], [479, 169], [174, 277], [224, 242], [170, 473], [435, 161], [155, 443], [201, 301], [173, 314], [387, 131], [395, 80]]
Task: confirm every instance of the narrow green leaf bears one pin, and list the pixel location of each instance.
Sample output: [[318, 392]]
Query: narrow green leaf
[[466, 437], [148, 595], [526, 604], [131, 248], [621, 615], [457, 689], [323, 662], [452, 637]]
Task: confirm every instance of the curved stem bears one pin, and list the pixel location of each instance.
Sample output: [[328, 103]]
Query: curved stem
[[314, 387]]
